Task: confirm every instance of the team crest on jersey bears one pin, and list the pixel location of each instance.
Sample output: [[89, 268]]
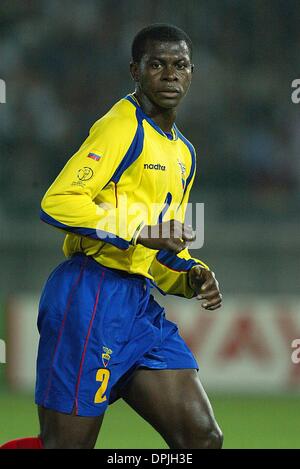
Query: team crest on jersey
[[183, 170], [106, 356]]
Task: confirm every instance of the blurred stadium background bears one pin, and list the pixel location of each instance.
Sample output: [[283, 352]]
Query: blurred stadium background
[[65, 63]]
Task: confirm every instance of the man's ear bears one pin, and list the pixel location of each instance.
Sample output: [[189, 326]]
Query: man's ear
[[134, 71], [192, 68]]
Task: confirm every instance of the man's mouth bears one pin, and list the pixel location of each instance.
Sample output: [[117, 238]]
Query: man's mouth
[[169, 93]]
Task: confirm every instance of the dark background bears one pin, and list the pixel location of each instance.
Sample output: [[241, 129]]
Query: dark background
[[66, 63]]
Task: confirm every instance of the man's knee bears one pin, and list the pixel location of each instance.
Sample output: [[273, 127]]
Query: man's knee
[[56, 442], [207, 436], [213, 439]]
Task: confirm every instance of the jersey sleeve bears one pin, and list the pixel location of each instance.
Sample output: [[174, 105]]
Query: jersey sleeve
[[170, 270], [112, 145]]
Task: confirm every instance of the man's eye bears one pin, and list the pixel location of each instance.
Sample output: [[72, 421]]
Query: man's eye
[[156, 65], [181, 66]]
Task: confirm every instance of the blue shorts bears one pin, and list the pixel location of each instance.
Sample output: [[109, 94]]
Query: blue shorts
[[97, 325]]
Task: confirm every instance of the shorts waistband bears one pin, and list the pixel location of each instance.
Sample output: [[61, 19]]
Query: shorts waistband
[[116, 272]]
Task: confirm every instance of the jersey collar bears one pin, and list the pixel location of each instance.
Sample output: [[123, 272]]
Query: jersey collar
[[132, 99]]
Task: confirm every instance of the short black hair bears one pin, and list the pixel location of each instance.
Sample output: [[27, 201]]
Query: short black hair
[[158, 32]]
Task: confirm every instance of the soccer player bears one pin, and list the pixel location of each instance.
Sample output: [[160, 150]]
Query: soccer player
[[102, 334]]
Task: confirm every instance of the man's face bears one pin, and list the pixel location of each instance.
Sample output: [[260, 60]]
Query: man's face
[[164, 73]]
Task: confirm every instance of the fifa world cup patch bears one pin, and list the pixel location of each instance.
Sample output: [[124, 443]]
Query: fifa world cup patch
[[94, 156], [106, 356]]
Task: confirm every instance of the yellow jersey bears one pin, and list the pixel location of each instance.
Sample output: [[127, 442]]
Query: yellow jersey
[[126, 174]]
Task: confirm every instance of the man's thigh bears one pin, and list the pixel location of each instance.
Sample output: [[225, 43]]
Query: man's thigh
[[68, 431], [175, 403]]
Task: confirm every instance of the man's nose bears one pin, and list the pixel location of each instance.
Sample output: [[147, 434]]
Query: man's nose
[[169, 73]]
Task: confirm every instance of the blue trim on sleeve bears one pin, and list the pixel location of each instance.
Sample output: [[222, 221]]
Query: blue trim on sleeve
[[90, 232], [174, 262], [133, 151]]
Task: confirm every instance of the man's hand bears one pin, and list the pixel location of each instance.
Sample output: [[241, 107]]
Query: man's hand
[[206, 287], [170, 236]]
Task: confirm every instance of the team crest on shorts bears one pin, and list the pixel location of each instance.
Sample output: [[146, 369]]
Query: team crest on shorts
[[106, 356]]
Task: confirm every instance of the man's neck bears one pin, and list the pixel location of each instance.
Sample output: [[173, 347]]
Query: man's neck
[[164, 118]]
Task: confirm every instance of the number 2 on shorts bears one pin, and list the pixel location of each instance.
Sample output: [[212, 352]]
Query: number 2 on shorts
[[103, 376]]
